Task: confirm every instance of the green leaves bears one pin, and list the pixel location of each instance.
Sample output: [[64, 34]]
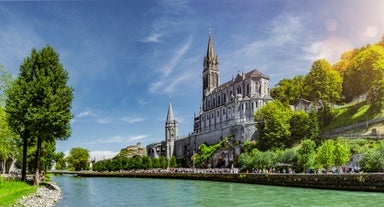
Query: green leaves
[[323, 84]]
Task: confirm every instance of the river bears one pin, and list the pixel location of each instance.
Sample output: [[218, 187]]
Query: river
[[77, 191]]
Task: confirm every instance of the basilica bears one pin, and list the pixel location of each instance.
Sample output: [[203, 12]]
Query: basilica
[[226, 109]]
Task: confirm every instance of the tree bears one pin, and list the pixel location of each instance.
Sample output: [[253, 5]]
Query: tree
[[365, 69], [323, 85], [373, 159], [272, 122], [59, 160], [342, 152], [8, 139], [39, 102], [325, 154], [306, 153], [299, 127], [288, 91], [78, 159]]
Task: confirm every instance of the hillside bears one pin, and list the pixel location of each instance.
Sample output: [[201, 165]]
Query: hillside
[[356, 118]]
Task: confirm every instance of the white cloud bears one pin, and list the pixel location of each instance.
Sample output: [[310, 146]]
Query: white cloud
[[103, 120], [101, 155], [121, 139], [178, 55], [155, 38], [86, 113], [131, 120], [169, 78]]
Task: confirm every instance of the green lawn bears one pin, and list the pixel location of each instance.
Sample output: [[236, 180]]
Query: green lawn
[[10, 191], [352, 114]]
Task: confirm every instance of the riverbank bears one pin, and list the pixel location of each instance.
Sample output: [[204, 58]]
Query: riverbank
[[45, 196], [373, 182]]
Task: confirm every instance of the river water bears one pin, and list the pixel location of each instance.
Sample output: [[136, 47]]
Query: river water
[[77, 191]]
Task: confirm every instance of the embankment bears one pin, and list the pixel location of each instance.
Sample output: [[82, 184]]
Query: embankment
[[357, 182]]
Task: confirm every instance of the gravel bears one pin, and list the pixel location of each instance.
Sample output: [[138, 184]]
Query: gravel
[[45, 196]]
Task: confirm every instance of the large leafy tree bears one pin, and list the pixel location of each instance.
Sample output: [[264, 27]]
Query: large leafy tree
[[307, 154], [272, 122], [342, 152], [39, 103], [326, 154], [365, 69], [323, 84], [78, 158], [288, 91]]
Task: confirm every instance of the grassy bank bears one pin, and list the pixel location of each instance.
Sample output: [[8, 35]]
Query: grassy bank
[[10, 191]]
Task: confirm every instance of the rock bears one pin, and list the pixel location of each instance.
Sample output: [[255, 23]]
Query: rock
[[45, 196]]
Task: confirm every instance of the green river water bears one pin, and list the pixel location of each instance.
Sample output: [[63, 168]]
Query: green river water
[[94, 192]]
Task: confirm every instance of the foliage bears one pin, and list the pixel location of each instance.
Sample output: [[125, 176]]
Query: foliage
[[272, 122], [326, 154], [11, 191], [365, 69], [39, 102], [323, 84], [279, 127], [342, 152], [78, 159], [373, 159], [288, 156], [288, 91], [132, 163], [8, 148], [206, 152], [307, 154], [6, 81], [59, 159]]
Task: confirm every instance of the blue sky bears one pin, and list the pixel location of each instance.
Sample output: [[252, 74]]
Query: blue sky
[[126, 58]]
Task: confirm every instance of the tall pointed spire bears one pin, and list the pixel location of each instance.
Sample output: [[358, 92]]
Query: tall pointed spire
[[170, 117], [210, 60], [210, 49]]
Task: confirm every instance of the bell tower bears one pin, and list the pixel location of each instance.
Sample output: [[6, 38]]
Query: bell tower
[[211, 72], [170, 132]]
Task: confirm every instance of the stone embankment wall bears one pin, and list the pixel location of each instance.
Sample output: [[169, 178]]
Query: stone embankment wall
[[358, 182]]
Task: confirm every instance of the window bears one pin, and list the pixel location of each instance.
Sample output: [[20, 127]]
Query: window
[[218, 113], [238, 90]]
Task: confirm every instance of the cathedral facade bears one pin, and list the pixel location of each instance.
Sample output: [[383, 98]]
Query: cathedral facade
[[226, 109]]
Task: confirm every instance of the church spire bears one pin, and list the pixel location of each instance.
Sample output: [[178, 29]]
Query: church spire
[[170, 117], [210, 60], [211, 71]]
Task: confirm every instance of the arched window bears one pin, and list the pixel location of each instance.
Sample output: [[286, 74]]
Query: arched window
[[238, 90]]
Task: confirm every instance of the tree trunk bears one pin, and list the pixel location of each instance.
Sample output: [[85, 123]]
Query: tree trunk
[[24, 167], [38, 155]]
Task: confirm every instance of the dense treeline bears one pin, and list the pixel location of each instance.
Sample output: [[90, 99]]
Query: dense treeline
[[358, 73], [134, 163], [308, 157]]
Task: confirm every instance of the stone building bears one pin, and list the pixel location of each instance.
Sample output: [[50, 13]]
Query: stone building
[[226, 109], [165, 148]]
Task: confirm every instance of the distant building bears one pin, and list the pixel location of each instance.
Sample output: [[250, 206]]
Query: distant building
[[131, 151], [225, 109]]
